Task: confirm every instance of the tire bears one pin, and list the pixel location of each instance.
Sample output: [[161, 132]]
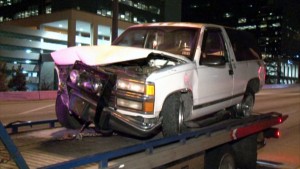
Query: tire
[[245, 108], [220, 158], [176, 108], [63, 115], [246, 152]]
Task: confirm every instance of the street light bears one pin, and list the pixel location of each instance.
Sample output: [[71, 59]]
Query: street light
[[114, 31]]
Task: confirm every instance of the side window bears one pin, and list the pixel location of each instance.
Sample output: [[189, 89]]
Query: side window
[[213, 44], [244, 45]]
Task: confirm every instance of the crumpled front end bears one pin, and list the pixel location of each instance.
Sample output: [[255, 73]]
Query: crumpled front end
[[109, 98], [110, 89]]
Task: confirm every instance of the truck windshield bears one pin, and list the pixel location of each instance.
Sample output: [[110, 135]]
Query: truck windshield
[[179, 41]]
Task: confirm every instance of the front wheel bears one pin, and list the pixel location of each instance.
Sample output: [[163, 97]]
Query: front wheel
[[63, 115], [175, 109]]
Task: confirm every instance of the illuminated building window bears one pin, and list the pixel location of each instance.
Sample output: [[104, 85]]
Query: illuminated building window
[[135, 19], [128, 16], [98, 12], [122, 16], [141, 6], [32, 11], [108, 13], [276, 25], [248, 27], [263, 26], [242, 20], [127, 2], [194, 6], [154, 9], [48, 9], [227, 15], [103, 12]]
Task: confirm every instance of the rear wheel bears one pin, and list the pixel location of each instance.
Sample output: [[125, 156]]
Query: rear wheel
[[245, 108], [246, 152], [174, 111], [220, 158], [63, 115]]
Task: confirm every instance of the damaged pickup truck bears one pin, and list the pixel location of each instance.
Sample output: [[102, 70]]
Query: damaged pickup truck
[[158, 77]]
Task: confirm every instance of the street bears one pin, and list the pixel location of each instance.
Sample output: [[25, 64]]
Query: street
[[11, 111], [284, 151]]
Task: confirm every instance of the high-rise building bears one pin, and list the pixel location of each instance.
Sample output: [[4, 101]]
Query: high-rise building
[[129, 10], [274, 22], [47, 25]]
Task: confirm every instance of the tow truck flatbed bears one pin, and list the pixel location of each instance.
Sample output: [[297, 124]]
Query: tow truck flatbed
[[57, 148]]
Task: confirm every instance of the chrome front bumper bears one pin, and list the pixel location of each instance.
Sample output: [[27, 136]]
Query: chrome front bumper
[[129, 125], [114, 120]]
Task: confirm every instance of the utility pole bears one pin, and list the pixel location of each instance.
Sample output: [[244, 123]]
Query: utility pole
[[114, 28]]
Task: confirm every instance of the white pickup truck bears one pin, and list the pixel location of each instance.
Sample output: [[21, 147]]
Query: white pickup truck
[[158, 77]]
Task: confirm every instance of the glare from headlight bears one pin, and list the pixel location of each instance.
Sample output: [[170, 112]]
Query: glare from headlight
[[130, 86], [74, 76]]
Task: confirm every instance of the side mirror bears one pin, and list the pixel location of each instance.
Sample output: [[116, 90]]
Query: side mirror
[[212, 60]]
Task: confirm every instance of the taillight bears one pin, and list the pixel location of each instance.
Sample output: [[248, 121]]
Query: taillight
[[272, 133], [262, 73], [280, 120]]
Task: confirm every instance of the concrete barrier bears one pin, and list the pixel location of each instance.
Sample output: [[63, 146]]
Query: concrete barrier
[[23, 95]]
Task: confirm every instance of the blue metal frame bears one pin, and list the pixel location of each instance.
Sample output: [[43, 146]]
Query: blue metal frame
[[15, 125], [11, 148], [148, 146]]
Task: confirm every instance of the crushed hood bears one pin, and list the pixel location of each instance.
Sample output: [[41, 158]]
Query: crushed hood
[[98, 55]]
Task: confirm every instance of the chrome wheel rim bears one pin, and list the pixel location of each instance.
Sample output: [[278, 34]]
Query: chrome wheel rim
[[227, 162], [247, 106], [180, 117]]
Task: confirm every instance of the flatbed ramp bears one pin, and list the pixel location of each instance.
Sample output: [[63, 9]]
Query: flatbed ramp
[[57, 148], [45, 147]]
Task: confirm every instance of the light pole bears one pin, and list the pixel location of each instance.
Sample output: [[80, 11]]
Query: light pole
[[114, 29]]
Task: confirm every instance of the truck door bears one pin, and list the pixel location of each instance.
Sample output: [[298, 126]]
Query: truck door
[[215, 74]]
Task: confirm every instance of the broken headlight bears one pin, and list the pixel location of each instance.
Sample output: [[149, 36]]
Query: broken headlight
[[86, 80]]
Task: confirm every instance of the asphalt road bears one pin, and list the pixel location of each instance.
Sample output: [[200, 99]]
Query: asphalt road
[[286, 149], [11, 111], [284, 153]]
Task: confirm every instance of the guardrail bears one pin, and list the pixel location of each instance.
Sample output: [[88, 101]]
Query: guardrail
[[14, 126]]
